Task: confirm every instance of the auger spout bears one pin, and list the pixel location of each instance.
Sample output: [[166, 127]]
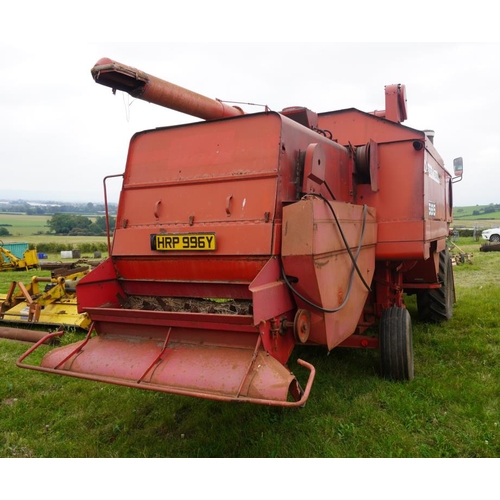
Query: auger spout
[[157, 91]]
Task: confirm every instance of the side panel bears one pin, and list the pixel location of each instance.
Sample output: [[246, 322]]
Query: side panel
[[413, 200], [315, 258]]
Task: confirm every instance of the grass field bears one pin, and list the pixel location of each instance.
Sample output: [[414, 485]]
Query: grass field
[[21, 225], [476, 216], [33, 228], [451, 409]]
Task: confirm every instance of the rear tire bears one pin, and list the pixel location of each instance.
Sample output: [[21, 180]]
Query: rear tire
[[396, 344], [436, 304]]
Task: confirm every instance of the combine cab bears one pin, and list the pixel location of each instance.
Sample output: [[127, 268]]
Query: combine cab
[[244, 235]]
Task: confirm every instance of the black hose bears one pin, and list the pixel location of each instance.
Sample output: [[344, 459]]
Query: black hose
[[353, 260]]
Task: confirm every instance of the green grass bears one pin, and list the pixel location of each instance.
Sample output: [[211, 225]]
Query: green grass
[[21, 225], [450, 409], [7, 277], [32, 228], [475, 213]]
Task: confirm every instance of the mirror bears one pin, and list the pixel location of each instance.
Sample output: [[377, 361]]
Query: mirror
[[458, 168]]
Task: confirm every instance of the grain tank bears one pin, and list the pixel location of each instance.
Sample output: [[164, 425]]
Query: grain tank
[[241, 236]]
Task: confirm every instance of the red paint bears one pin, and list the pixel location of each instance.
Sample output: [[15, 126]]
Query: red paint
[[243, 179]]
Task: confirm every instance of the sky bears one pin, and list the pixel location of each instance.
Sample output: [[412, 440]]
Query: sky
[[61, 133]]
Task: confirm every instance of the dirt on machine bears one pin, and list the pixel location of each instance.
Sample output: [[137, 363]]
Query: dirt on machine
[[242, 236]]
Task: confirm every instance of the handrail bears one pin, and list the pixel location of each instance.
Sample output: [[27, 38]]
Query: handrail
[[106, 208]]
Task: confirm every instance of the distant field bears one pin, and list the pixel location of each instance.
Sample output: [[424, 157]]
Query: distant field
[[23, 225], [477, 215], [32, 228]]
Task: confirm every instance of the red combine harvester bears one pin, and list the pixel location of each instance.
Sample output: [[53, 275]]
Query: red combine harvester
[[244, 235]]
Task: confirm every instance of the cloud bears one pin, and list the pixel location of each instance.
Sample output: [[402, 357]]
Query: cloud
[[61, 130]]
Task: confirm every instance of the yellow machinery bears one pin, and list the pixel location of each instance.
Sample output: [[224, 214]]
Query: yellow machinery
[[9, 262], [54, 305]]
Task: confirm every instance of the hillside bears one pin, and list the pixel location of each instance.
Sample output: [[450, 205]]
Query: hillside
[[485, 213]]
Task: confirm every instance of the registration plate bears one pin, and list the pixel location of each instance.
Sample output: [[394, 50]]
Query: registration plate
[[183, 241]]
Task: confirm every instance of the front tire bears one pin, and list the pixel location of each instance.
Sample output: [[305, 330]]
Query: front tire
[[495, 238], [436, 304], [396, 344]]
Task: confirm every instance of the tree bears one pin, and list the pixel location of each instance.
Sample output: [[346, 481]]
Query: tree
[[68, 223], [99, 226]]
